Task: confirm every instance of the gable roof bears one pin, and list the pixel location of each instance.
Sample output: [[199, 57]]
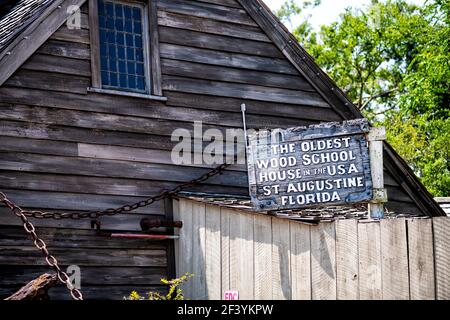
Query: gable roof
[[338, 100], [22, 13], [26, 27], [31, 22]]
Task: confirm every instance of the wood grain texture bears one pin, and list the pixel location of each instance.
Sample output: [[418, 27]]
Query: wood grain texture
[[263, 257], [198, 251], [441, 231], [369, 252], [185, 260], [300, 251], [225, 245], [323, 261], [241, 255], [347, 272], [213, 256], [421, 259], [394, 262], [281, 273], [181, 21]]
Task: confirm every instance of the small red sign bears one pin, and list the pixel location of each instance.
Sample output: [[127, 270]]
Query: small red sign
[[231, 295]]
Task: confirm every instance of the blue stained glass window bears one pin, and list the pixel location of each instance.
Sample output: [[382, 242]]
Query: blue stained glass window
[[121, 46]]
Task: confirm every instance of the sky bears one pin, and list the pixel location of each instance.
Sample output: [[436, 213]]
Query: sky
[[328, 11]]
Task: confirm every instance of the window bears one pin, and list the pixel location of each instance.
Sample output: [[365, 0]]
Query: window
[[124, 47]]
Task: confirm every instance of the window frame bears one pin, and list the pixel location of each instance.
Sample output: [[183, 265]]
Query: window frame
[[150, 37]]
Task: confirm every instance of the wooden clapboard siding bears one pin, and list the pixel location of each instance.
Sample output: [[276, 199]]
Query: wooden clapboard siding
[[265, 257]]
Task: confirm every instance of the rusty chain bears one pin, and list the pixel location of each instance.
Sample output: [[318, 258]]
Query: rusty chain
[[41, 245]]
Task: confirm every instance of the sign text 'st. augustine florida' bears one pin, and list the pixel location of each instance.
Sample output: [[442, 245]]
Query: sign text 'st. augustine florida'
[[319, 165]]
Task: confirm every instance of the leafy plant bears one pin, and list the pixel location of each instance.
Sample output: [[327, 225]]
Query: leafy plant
[[174, 292]]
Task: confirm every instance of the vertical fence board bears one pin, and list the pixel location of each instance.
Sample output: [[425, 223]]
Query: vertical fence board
[[213, 254], [369, 252], [263, 257], [242, 255], [300, 261], [185, 245], [225, 248], [421, 262], [280, 259], [198, 250], [441, 229], [394, 259], [347, 259], [323, 261], [176, 217]]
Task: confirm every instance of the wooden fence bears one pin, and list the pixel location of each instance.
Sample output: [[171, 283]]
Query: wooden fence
[[264, 257]]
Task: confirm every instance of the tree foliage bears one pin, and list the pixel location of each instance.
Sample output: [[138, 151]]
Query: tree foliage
[[392, 58]]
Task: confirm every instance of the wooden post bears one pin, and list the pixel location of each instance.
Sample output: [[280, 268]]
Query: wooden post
[[375, 139]]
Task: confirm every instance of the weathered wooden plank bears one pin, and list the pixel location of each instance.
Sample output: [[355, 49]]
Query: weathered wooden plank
[[181, 21], [347, 272], [218, 73], [421, 259], [263, 257], [112, 168], [323, 261], [94, 37], [91, 276], [119, 222], [185, 259], [76, 201], [281, 277], [140, 155], [38, 146], [441, 231], [241, 255], [394, 262], [223, 89], [227, 3], [148, 121], [256, 108], [73, 238], [176, 217], [48, 63], [98, 185], [300, 251], [213, 253], [53, 81], [226, 59], [198, 251], [23, 256], [65, 49], [205, 10], [153, 48], [71, 35], [225, 249], [220, 42], [369, 252]]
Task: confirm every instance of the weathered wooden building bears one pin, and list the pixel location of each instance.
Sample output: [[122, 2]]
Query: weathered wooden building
[[87, 113]]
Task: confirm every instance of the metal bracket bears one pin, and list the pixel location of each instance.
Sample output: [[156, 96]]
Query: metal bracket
[[379, 196]]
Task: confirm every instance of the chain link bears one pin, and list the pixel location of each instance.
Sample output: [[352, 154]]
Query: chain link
[[41, 245], [125, 208]]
